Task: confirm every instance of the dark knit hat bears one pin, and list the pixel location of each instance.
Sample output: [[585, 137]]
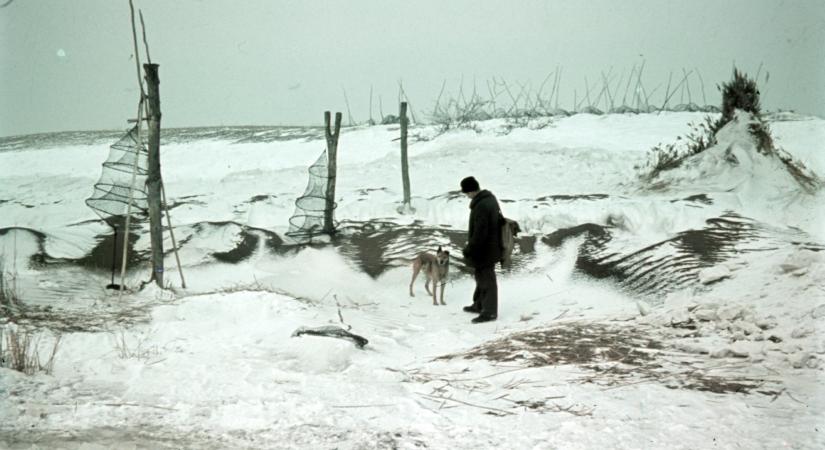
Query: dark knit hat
[[469, 184]]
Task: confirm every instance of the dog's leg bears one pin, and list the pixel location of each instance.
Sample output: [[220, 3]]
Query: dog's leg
[[434, 279], [416, 269], [427, 285], [443, 283]]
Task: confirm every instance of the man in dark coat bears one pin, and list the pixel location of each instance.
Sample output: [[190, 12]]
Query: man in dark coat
[[483, 249]]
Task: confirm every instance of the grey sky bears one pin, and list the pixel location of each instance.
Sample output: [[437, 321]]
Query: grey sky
[[66, 65]]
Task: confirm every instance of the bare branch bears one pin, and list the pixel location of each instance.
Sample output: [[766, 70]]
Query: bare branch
[[145, 44]]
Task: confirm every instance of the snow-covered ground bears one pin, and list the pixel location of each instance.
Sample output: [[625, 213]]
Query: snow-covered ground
[[726, 350]]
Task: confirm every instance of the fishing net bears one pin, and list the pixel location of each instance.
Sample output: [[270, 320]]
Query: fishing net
[[123, 177], [120, 174], [308, 219]]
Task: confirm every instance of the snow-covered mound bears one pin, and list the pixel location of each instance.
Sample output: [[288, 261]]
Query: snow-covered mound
[[772, 184], [735, 163]]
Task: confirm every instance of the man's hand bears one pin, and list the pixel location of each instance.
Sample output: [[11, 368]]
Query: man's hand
[[468, 259]]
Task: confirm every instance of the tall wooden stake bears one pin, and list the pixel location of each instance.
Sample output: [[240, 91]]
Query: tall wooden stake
[[372, 122], [138, 149], [153, 178], [405, 167], [332, 153], [162, 187], [172, 234]]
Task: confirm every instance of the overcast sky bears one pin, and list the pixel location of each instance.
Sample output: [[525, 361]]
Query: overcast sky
[[67, 65]]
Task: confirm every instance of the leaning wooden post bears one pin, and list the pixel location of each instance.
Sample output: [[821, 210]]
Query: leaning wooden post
[[153, 179], [172, 233], [405, 167], [138, 149], [332, 152]]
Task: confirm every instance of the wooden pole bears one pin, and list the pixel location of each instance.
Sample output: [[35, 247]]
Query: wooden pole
[[172, 234], [162, 187], [332, 153], [137, 57], [145, 44], [153, 178], [349, 112], [405, 168], [372, 122], [403, 93], [138, 149]]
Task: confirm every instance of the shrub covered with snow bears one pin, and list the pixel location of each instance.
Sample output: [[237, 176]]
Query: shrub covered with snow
[[740, 103], [739, 93]]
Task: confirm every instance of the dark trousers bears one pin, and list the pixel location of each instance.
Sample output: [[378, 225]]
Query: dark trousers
[[485, 297]]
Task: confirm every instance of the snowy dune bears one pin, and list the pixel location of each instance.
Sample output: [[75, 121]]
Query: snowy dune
[[687, 316]]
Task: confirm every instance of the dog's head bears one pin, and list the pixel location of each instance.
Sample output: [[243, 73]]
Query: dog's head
[[442, 256]]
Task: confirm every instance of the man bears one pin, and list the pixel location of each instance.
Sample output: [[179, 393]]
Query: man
[[483, 249]]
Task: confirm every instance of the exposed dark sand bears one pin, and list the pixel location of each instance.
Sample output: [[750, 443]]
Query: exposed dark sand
[[379, 245], [39, 257], [673, 263]]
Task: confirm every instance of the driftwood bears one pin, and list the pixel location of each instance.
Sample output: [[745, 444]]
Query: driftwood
[[332, 331]]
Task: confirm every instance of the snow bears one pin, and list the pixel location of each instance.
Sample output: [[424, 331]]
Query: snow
[[735, 359]]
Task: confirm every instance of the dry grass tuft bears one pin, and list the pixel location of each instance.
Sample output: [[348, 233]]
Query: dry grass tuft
[[20, 351], [616, 355], [575, 343]]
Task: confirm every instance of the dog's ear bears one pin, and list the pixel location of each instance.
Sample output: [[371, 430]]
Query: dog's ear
[[439, 249]]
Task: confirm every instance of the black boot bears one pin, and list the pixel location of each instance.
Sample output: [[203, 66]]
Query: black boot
[[484, 317], [472, 309]]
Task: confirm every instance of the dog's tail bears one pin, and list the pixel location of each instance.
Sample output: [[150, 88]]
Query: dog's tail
[[398, 262]]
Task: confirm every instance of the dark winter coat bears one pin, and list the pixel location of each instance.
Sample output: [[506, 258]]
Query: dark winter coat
[[484, 237]]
